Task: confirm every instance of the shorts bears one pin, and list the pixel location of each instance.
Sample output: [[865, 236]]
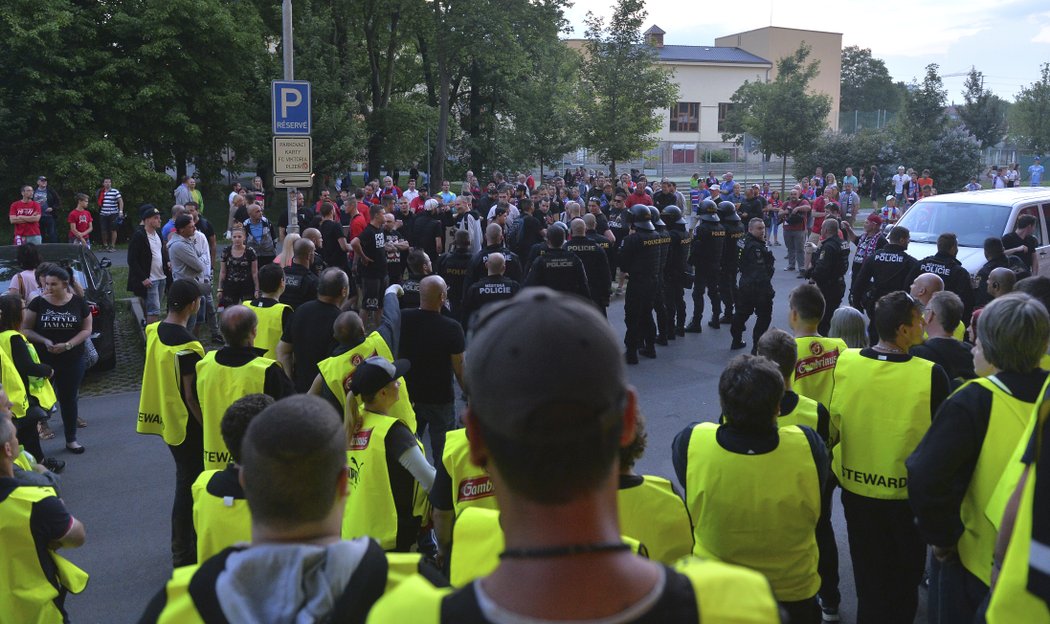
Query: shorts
[[21, 240], [108, 222], [153, 298], [372, 292]]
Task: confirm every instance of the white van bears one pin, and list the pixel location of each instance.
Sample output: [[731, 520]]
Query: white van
[[974, 216]]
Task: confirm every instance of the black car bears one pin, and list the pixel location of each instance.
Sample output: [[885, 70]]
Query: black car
[[93, 276]]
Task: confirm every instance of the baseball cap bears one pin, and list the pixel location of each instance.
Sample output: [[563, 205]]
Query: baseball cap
[[44, 178], [889, 197], [874, 218], [375, 373], [147, 210], [714, 187], [183, 293], [430, 204], [588, 356]]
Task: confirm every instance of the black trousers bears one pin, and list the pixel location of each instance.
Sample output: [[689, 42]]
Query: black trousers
[[660, 310], [728, 291], [638, 313], [674, 304], [802, 611], [28, 436], [828, 556], [761, 305], [706, 282], [189, 464], [833, 293], [888, 558]]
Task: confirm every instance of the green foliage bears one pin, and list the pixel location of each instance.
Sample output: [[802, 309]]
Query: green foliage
[[984, 113], [619, 120], [866, 83], [1030, 114], [83, 171], [834, 151], [923, 117], [547, 118]]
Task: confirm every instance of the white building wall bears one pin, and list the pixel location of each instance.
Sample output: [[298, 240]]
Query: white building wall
[[709, 84]]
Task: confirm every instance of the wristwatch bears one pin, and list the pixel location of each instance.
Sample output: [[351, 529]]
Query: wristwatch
[[68, 346]]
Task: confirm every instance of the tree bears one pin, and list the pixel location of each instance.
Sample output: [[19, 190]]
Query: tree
[[923, 117], [619, 121], [984, 113], [782, 115], [866, 83], [1030, 114]]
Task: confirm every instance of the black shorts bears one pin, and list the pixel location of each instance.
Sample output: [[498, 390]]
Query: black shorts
[[372, 292], [108, 222]]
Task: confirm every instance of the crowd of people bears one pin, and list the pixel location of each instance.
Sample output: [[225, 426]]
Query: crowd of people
[[304, 492]]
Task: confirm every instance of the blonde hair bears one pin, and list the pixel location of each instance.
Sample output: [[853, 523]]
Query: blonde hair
[[286, 254]]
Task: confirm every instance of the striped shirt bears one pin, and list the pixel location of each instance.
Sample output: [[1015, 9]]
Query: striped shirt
[[110, 203]]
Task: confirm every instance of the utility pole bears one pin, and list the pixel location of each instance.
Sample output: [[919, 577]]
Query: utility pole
[[289, 74]]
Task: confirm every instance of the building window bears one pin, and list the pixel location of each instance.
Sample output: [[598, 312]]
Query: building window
[[723, 112], [685, 117]]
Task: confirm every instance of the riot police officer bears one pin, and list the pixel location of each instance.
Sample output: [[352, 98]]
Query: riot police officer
[[727, 288], [640, 259], [884, 271], [705, 256], [945, 264], [595, 262], [675, 272], [756, 285], [829, 271], [659, 307]]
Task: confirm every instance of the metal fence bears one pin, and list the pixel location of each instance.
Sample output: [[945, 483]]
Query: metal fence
[[679, 161], [853, 121]]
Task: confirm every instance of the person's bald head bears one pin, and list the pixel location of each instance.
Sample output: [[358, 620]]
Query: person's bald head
[[303, 252], [590, 222], [493, 234], [925, 286], [829, 228], [555, 236], [1001, 281], [496, 264], [348, 329], [578, 227], [314, 235], [238, 324], [432, 293]]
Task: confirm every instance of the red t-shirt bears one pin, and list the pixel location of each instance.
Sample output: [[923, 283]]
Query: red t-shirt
[[925, 182], [81, 219], [818, 221], [634, 199], [417, 204], [357, 225], [26, 209]]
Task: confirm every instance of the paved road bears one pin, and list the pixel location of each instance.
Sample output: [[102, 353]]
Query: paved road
[[122, 487]]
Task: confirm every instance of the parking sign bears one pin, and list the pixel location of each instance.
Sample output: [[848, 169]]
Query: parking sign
[[291, 107]]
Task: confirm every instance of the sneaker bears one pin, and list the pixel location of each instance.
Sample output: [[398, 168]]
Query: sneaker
[[54, 465], [789, 268], [829, 613], [737, 345]]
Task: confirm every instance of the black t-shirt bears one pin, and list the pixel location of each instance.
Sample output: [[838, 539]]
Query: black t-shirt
[[60, 323], [428, 340], [310, 334], [331, 251], [373, 243], [1012, 240], [172, 334], [300, 285], [302, 216]]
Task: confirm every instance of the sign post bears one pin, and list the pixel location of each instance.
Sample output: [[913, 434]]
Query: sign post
[[292, 146]]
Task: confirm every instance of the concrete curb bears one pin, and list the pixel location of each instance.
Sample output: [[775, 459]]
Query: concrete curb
[[140, 316]]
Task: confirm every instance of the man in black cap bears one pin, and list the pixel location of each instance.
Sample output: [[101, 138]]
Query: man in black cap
[[49, 203], [595, 263], [639, 258], [727, 270], [148, 262], [675, 272], [705, 256], [756, 286], [558, 268]]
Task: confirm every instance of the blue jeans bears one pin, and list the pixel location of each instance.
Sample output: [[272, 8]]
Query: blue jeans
[[440, 418], [151, 302], [47, 228], [955, 593]]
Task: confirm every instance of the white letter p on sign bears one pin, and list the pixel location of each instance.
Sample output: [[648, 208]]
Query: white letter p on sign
[[290, 98]]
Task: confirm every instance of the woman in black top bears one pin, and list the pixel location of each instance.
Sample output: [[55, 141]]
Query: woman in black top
[[11, 319], [239, 271], [59, 322]]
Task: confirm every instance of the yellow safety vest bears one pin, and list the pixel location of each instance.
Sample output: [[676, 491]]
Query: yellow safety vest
[[270, 328], [758, 534], [471, 484], [22, 459], [1044, 362], [655, 515], [814, 370], [179, 607], [338, 370], [28, 595], [40, 387], [400, 567], [1007, 423], [725, 594], [876, 435], [162, 410], [1011, 602], [805, 413], [218, 387], [219, 522], [370, 506], [16, 390]]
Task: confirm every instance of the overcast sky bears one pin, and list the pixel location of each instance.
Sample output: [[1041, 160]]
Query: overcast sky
[[1005, 39]]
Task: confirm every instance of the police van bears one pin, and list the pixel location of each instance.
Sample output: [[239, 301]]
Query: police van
[[974, 216]]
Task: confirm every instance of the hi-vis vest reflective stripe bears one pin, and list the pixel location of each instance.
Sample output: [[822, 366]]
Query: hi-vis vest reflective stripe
[[471, 485], [1007, 422], [816, 363], [218, 387], [161, 410], [16, 390], [477, 541], [653, 514], [28, 596], [218, 522], [877, 435], [737, 504], [337, 371], [805, 413], [40, 387], [1011, 602], [370, 506], [725, 594], [269, 331]]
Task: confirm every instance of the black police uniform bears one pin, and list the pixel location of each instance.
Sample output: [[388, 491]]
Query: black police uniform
[[956, 279], [477, 269], [755, 293], [409, 300], [676, 272], [452, 267], [727, 288], [829, 273], [488, 289], [596, 265], [705, 256], [661, 327], [883, 272], [610, 252], [559, 269], [640, 258]]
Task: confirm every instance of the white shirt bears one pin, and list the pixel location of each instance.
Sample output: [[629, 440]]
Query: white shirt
[[410, 194], [230, 198], [200, 243], [156, 264], [899, 180], [512, 212]]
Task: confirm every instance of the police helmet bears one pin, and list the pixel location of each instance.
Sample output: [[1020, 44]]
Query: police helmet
[[710, 217], [640, 217], [727, 210], [673, 214], [654, 217], [708, 205]]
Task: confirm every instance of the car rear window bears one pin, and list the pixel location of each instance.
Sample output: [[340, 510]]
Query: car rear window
[[972, 223]]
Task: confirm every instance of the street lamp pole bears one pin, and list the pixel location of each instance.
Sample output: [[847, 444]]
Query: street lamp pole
[[289, 74]]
